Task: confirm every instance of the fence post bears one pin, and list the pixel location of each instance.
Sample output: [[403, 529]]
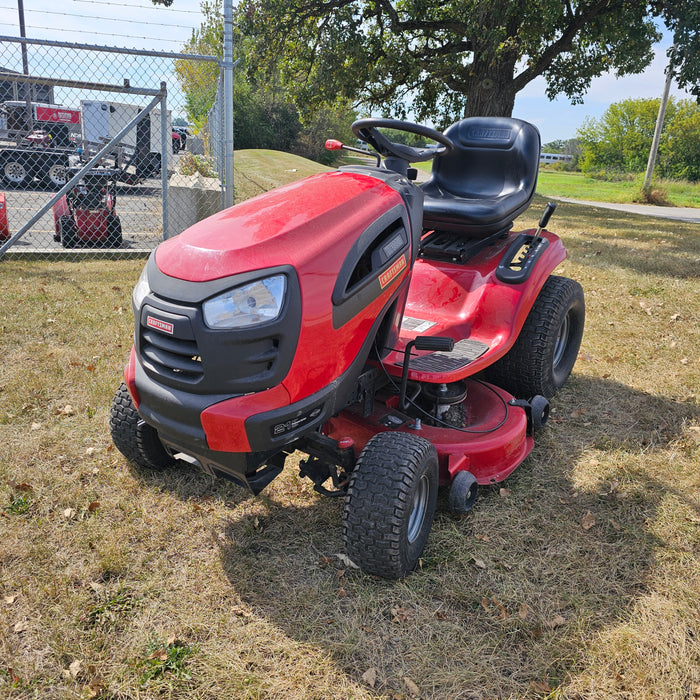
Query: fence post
[[228, 102], [166, 141]]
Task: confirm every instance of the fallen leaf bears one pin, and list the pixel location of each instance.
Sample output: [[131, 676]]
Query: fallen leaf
[[36, 426], [483, 538], [541, 686], [94, 689], [370, 677], [485, 603], [21, 626], [342, 593], [23, 487], [74, 668], [614, 525], [91, 368], [400, 614], [505, 565], [556, 621], [9, 599], [345, 559], [412, 688], [68, 513], [588, 521], [439, 615], [325, 561], [340, 573], [523, 611], [503, 493], [68, 410], [93, 506], [480, 563], [502, 612], [160, 655]]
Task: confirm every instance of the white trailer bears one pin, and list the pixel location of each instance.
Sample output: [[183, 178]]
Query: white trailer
[[103, 120]]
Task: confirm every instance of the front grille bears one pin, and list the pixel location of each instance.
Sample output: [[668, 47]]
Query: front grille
[[177, 358]]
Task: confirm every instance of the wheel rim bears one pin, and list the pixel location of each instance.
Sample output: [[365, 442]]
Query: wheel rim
[[57, 175], [420, 506], [15, 172], [562, 341]]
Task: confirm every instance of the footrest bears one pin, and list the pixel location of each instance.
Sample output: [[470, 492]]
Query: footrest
[[465, 351]]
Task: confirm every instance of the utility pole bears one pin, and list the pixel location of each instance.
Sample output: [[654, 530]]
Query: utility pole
[[657, 131], [25, 66]]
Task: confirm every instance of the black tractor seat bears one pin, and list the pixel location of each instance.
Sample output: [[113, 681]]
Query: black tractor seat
[[488, 180]]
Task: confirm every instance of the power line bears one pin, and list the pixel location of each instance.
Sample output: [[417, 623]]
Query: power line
[[123, 36], [108, 19], [136, 7]]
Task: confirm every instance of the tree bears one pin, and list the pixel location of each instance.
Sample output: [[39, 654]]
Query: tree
[[620, 140], [442, 59]]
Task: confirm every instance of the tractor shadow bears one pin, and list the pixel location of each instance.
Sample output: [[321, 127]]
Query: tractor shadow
[[566, 542]]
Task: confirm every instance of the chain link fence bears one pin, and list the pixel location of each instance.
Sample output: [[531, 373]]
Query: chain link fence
[[98, 156]]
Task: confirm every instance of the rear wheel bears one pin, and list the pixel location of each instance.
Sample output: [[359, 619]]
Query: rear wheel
[[56, 175], [15, 173], [114, 231], [545, 352], [69, 234], [390, 504], [133, 437]]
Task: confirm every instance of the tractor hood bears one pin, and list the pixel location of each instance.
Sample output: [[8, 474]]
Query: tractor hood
[[291, 225]]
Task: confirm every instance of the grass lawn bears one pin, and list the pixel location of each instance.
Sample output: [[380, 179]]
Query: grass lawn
[[556, 183], [579, 577]]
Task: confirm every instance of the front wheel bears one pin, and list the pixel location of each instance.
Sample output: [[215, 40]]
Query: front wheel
[[133, 437], [390, 504], [545, 352]]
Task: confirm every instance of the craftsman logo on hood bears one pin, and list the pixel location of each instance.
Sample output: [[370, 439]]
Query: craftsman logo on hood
[[159, 325]]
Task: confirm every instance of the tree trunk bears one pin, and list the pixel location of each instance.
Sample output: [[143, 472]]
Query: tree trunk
[[489, 90]]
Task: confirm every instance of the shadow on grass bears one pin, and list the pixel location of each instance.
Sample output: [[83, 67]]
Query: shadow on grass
[[513, 593]]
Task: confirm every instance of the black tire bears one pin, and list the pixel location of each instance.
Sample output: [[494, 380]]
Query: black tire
[[15, 173], [114, 231], [133, 437], [545, 352], [69, 234], [539, 410], [56, 175], [390, 504], [463, 492]]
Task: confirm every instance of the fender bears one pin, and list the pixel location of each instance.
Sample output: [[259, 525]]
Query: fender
[[471, 302]]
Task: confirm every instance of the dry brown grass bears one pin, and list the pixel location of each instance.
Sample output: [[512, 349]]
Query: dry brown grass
[[175, 585]]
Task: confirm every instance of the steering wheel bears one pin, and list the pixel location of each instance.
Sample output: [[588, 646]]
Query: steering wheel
[[367, 130]]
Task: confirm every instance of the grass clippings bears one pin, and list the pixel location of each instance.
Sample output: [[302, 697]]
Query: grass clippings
[[577, 578]]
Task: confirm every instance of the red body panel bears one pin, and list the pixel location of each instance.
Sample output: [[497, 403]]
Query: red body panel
[[469, 301], [312, 225]]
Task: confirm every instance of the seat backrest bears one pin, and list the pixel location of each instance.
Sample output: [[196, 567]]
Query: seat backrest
[[487, 181], [493, 156]]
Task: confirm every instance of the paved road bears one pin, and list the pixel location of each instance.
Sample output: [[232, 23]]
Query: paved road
[[688, 214]]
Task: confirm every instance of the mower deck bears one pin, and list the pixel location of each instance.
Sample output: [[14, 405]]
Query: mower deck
[[493, 442]]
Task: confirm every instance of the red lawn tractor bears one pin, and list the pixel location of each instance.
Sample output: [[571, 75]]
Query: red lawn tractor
[[86, 215], [402, 337]]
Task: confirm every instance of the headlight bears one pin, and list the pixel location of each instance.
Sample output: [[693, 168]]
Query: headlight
[[140, 290], [247, 305]]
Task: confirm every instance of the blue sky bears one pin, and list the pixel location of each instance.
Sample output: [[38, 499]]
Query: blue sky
[[139, 24]]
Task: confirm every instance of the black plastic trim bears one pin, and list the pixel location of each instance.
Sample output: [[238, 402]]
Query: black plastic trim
[[506, 273]]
